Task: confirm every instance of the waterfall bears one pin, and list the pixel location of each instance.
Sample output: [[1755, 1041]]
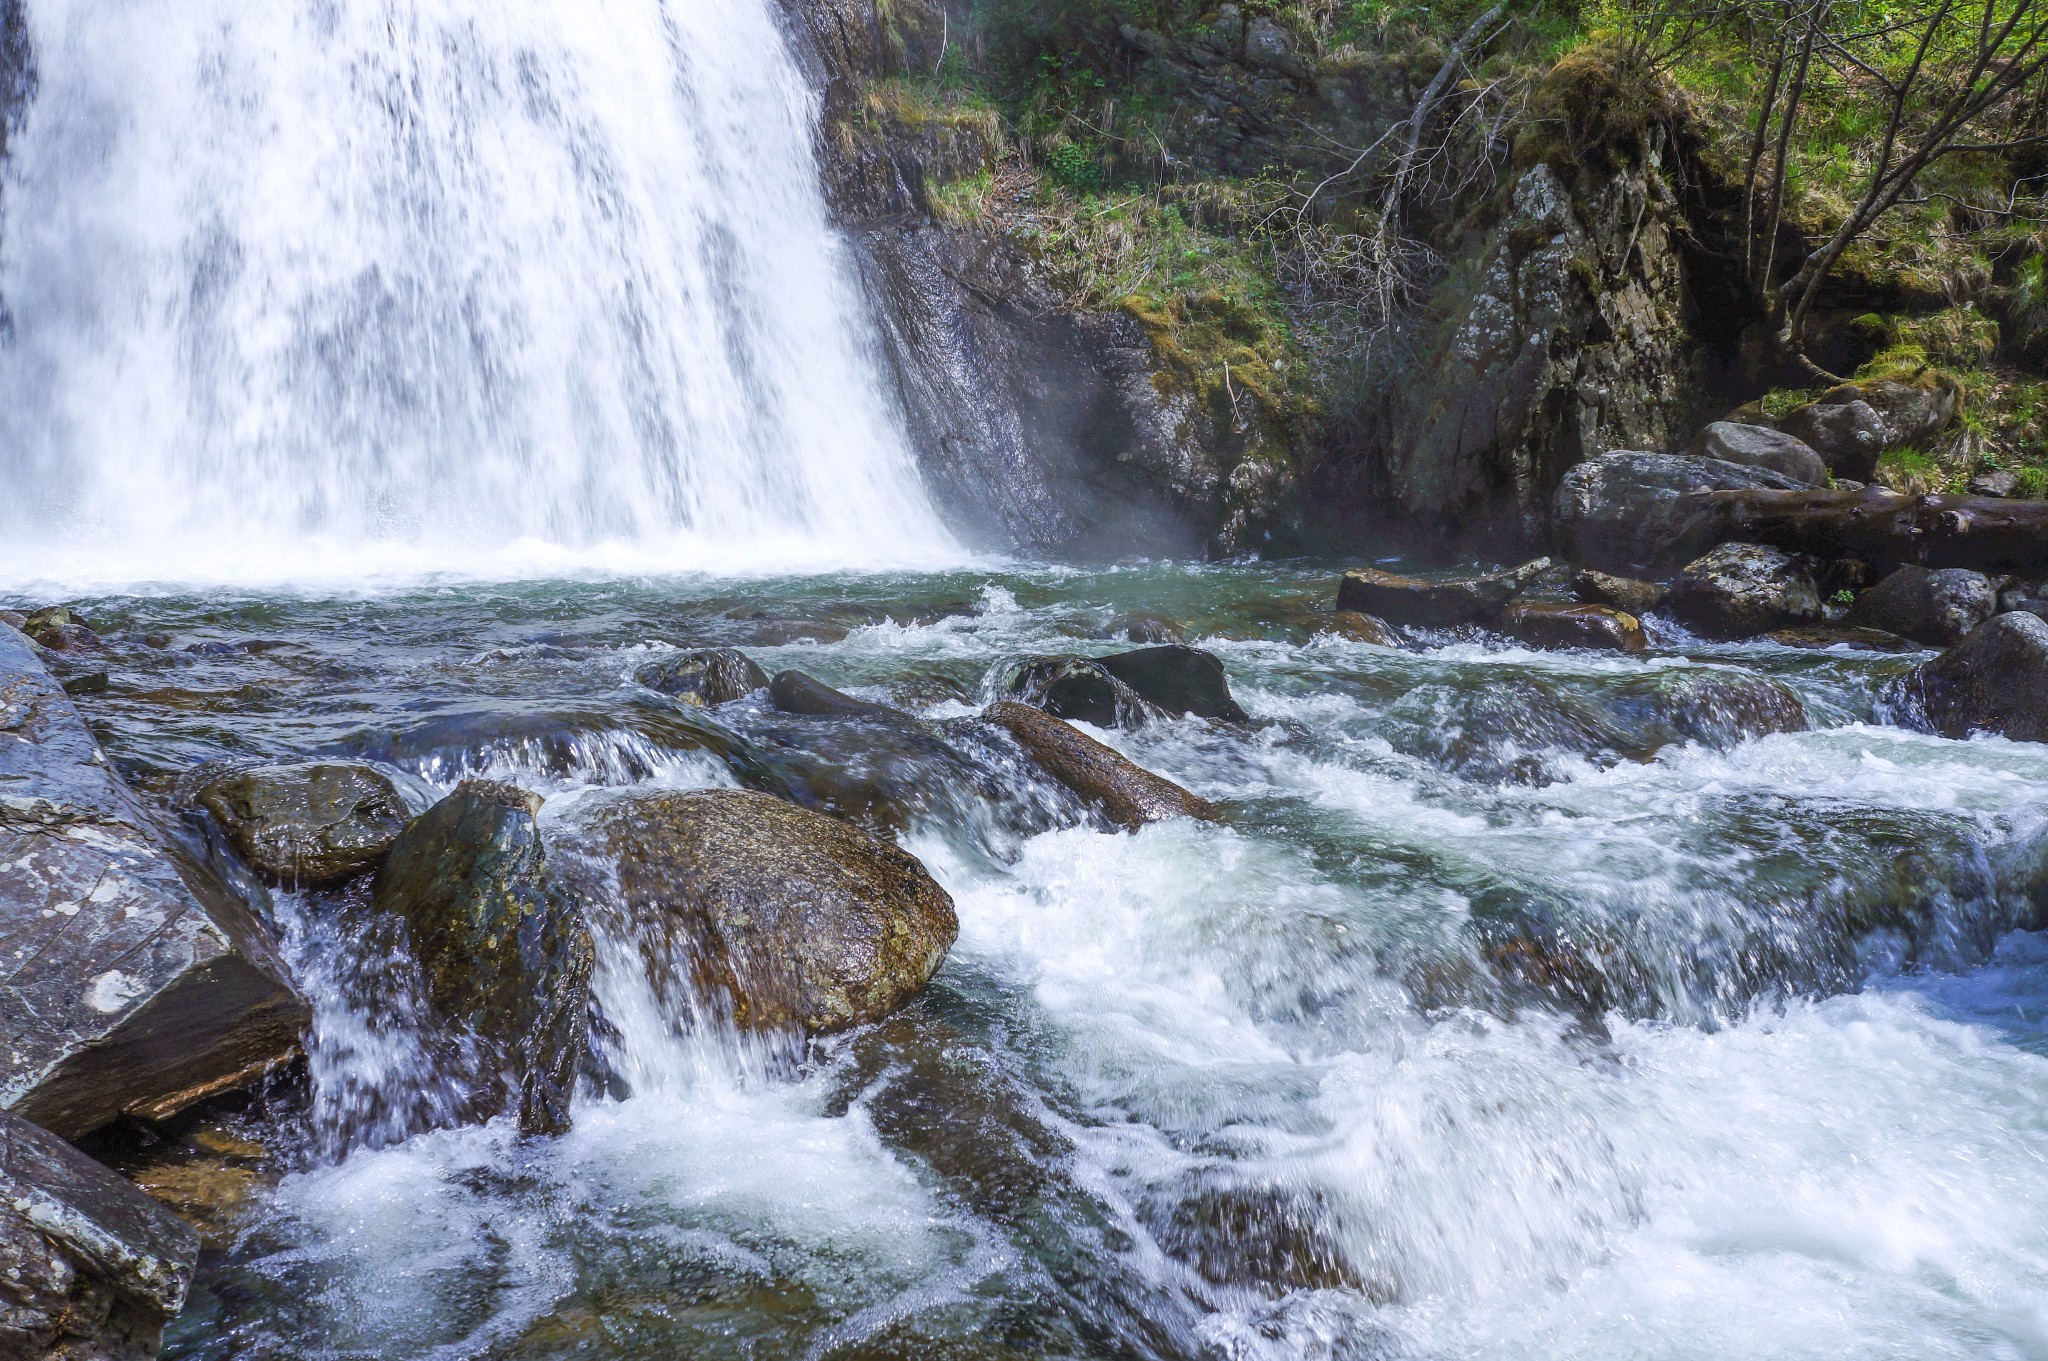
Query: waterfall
[[329, 287]]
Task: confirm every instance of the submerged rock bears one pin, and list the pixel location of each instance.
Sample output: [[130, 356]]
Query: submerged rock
[[1179, 679], [1142, 626], [1078, 689], [1724, 708], [789, 918], [1412, 600], [1622, 593], [140, 982], [314, 822], [1741, 589], [1630, 511], [1994, 681], [90, 1268], [1853, 639], [1359, 628], [505, 952], [1544, 624], [793, 692], [1937, 608], [705, 677], [1757, 446], [1125, 792]]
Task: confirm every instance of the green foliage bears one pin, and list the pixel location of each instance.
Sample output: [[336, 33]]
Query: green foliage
[[1076, 166], [1843, 597], [2033, 482]]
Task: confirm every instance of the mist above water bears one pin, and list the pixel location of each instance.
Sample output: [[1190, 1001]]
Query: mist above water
[[332, 288]]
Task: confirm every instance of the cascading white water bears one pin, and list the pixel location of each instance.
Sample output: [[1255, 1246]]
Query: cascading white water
[[331, 286]]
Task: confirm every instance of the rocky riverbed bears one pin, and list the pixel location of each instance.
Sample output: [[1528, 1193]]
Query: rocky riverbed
[[1156, 961]]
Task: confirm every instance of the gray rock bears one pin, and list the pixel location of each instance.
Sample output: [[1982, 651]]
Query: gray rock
[[1623, 593], [2030, 597], [1628, 512], [135, 980], [1756, 446], [506, 952], [1141, 626], [778, 917], [1742, 589], [314, 822], [705, 677], [1994, 681], [1724, 708], [1999, 482], [90, 1268], [1125, 792], [793, 692], [1848, 435], [1937, 608], [1181, 680], [1414, 600]]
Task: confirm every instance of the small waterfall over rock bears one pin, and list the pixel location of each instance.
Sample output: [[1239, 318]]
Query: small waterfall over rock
[[337, 286]]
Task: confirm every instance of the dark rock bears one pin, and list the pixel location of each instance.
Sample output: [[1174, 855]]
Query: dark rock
[[1756, 446], [14, 619], [1847, 434], [2001, 482], [789, 918], [90, 1268], [1741, 589], [705, 677], [1358, 627], [1139, 626], [1723, 708], [56, 616], [66, 638], [1179, 679], [2031, 597], [1125, 792], [136, 980], [1938, 608], [1851, 639], [156, 640], [505, 952], [795, 693], [1628, 512], [1544, 624], [1623, 593], [314, 822], [1913, 411], [88, 683], [1078, 689], [1994, 681], [1412, 600]]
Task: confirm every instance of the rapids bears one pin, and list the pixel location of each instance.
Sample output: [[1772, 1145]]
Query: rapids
[[1263, 1089]]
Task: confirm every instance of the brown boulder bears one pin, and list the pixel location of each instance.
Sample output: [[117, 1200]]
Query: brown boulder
[[1623, 593], [1544, 624], [1414, 600], [1125, 792]]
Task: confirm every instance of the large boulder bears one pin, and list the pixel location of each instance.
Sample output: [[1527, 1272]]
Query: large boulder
[[1938, 608], [1994, 681], [313, 822], [1741, 589], [1631, 512], [1181, 680], [1847, 434], [704, 677], [137, 981], [90, 1268], [1078, 689], [793, 692], [1725, 708], [1414, 600], [781, 918], [1125, 792], [1852, 425], [1758, 446], [1548, 624], [1622, 593], [505, 951]]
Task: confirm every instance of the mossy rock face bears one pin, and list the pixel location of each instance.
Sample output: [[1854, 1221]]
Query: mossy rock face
[[704, 677], [782, 918], [311, 822], [505, 951]]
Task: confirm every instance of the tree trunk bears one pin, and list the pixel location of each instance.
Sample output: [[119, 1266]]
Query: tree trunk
[[1887, 528]]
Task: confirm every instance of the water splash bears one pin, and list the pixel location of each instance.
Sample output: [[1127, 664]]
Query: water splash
[[348, 287]]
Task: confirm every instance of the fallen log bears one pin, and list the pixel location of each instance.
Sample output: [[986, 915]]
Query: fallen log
[[1883, 528]]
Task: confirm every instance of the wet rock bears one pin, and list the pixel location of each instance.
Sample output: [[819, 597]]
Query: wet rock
[[138, 981], [1994, 681], [885, 771], [67, 638], [1630, 512], [1179, 679], [313, 822], [1274, 1239], [1359, 628], [90, 1268], [2030, 597], [1742, 589], [1847, 434], [705, 677], [1412, 600], [1756, 446], [1937, 608], [1513, 730], [1622, 593], [1125, 792], [506, 954], [1725, 708], [795, 693], [789, 918], [1140, 626], [156, 640], [1850, 639], [1078, 689], [1543, 624], [14, 619], [88, 683]]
